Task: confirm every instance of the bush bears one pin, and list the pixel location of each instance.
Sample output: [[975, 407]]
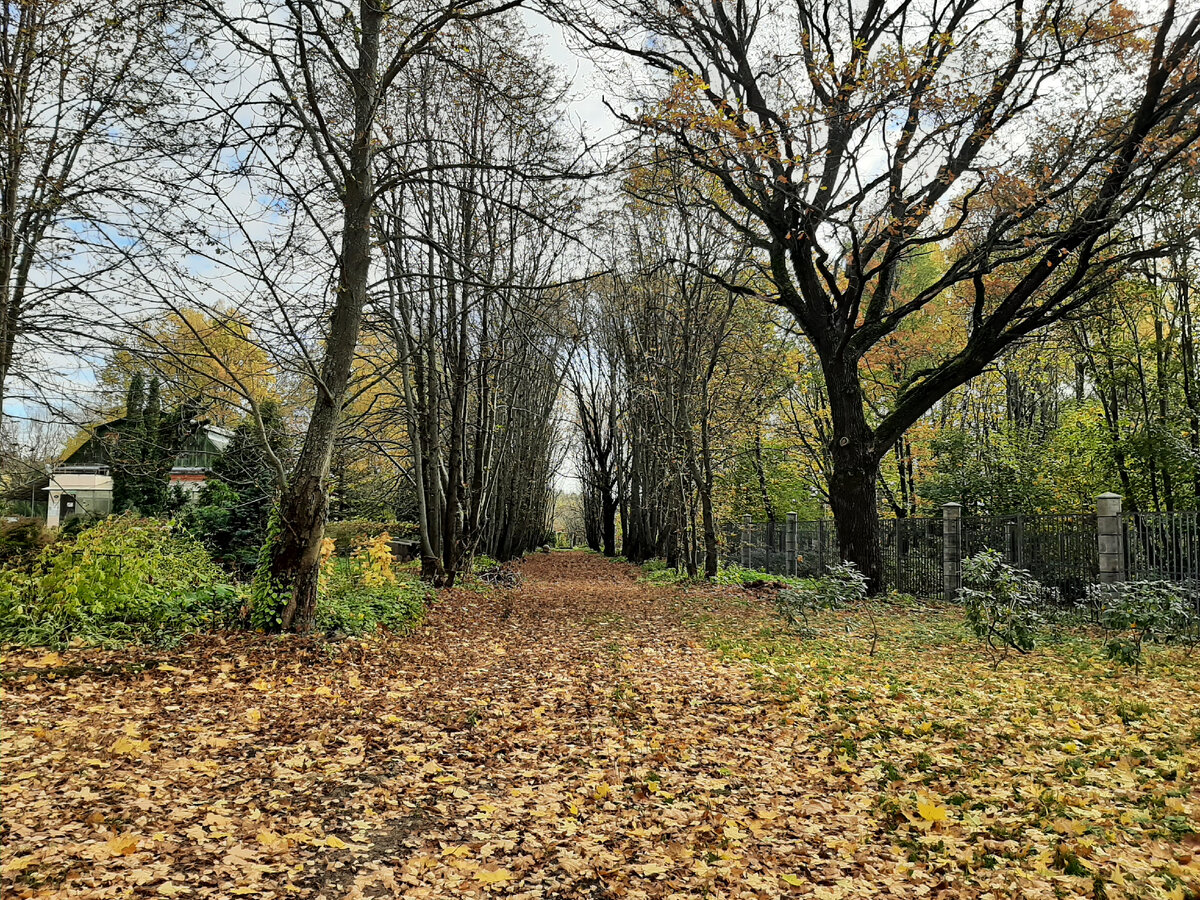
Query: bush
[[350, 605], [1134, 612], [374, 560], [483, 563], [734, 574], [843, 585], [1003, 603], [656, 571], [231, 527], [123, 579], [21, 541]]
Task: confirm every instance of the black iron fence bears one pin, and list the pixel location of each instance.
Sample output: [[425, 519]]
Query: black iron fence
[[1067, 552], [1060, 551], [912, 551], [1162, 546]]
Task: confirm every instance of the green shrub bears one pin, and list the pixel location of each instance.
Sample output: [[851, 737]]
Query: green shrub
[[1135, 612], [123, 579], [233, 528], [482, 563], [347, 606], [1003, 604], [656, 571], [841, 586], [733, 574]]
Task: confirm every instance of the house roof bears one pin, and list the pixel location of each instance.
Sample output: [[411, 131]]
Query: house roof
[[91, 452]]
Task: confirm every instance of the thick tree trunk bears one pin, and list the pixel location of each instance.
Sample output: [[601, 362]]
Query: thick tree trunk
[[852, 501], [609, 523], [852, 484]]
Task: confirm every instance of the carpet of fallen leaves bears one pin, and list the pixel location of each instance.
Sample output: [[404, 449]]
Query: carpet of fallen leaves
[[587, 736]]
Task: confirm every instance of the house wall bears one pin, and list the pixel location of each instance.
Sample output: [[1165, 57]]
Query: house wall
[[92, 492]]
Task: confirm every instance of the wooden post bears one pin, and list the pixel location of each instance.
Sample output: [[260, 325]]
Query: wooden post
[[951, 549], [1110, 538], [789, 543]]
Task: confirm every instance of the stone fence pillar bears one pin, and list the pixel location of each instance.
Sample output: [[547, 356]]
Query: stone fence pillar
[[1110, 538], [747, 528], [951, 549], [790, 543]]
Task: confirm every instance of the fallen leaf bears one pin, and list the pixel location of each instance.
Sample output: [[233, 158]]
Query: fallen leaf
[[493, 876]]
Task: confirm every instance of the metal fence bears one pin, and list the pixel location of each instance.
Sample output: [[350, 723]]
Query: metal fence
[[816, 547], [911, 549], [1061, 551], [1162, 546], [912, 554]]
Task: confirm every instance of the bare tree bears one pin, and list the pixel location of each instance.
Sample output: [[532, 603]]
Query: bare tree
[[85, 89], [327, 73], [479, 327]]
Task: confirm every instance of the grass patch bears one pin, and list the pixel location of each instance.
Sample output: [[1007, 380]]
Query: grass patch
[[1059, 760]]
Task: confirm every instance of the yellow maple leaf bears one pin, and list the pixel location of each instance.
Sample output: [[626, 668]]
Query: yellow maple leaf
[[493, 876], [131, 747], [254, 715], [271, 840], [793, 880], [930, 811], [123, 844], [336, 843]]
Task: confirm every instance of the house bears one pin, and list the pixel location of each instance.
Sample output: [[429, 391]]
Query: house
[[82, 483]]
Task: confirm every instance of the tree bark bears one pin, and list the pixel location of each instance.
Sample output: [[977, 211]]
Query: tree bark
[[852, 484]]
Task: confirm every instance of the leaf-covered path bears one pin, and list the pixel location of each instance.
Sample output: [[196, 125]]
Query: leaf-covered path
[[586, 736]]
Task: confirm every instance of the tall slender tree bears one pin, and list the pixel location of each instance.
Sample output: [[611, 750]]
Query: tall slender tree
[[328, 72]]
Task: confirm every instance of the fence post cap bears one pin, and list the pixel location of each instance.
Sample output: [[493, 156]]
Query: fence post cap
[[951, 506], [1109, 496]]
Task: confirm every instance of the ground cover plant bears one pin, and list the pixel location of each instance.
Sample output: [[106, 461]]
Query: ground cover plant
[[587, 735]]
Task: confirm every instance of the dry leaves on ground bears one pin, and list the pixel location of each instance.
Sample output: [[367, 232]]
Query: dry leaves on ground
[[589, 736]]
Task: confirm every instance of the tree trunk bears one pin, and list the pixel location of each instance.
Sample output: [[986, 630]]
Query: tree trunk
[[609, 516], [294, 552], [708, 520], [852, 484]]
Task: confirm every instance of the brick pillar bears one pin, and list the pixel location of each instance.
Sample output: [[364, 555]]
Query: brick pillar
[[1109, 537], [951, 549], [790, 541]]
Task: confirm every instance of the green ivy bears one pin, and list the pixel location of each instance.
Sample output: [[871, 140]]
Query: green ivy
[[267, 598]]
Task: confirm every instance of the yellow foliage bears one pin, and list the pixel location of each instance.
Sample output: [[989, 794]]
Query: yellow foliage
[[375, 559], [212, 355]]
